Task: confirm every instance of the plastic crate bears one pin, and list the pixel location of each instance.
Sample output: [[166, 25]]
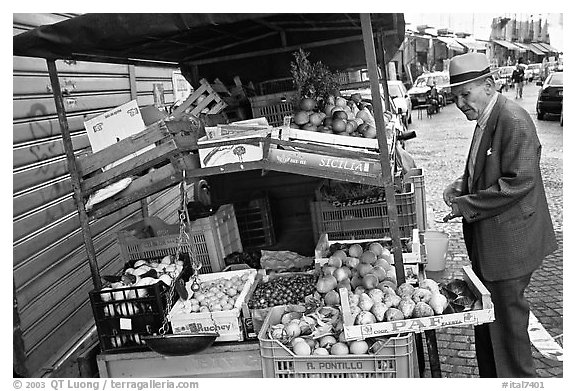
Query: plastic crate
[[273, 107], [213, 238], [276, 85], [124, 315], [416, 177], [395, 359], [368, 221], [255, 223]]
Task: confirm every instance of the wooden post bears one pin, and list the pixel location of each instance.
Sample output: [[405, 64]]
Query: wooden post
[[383, 146], [134, 95], [74, 175]]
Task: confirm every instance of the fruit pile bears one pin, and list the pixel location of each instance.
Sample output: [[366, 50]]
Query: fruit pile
[[319, 332], [371, 282], [216, 295], [133, 283], [282, 290], [339, 116]]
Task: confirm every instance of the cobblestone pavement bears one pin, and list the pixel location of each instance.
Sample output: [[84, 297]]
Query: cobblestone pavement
[[440, 150]]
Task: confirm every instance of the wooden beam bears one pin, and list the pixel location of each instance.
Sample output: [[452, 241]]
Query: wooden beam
[[74, 174], [370, 52]]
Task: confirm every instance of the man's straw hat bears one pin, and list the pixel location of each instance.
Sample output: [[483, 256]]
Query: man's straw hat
[[468, 67]]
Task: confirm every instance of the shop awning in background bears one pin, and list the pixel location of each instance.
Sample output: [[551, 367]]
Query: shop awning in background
[[472, 44], [534, 49], [507, 45], [548, 47], [452, 44], [520, 48], [540, 47]]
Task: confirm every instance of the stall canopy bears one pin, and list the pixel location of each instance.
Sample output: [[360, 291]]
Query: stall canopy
[[165, 39]]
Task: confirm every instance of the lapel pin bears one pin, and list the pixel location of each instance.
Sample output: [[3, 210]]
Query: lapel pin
[[489, 152]]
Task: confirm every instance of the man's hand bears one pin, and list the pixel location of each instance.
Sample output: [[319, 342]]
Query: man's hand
[[455, 213], [452, 191]]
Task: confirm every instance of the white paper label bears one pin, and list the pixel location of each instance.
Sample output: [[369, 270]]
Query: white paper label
[[125, 324]]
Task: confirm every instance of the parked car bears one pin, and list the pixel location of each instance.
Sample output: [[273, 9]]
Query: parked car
[[500, 82], [533, 72], [551, 95], [422, 86], [398, 96], [401, 99], [506, 74]]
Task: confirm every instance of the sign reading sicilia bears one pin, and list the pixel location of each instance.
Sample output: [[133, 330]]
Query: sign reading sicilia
[[324, 162]]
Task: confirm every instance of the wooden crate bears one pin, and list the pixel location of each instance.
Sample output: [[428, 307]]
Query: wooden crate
[[203, 100], [173, 150]]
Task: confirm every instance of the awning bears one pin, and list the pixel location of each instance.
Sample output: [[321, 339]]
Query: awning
[[548, 48], [472, 44], [521, 48], [507, 45], [534, 49], [452, 44], [540, 47]]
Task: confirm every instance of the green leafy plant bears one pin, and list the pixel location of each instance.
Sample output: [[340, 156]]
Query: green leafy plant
[[313, 80]]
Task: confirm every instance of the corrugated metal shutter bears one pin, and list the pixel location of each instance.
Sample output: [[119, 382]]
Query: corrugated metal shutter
[[50, 269]]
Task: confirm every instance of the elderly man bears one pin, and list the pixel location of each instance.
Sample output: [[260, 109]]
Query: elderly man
[[506, 222]]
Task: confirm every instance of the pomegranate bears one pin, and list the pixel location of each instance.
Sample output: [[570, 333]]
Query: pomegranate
[[326, 284]]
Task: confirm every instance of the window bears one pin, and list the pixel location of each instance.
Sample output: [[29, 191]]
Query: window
[[556, 79]]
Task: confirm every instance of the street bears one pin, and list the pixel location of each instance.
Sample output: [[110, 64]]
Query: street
[[440, 149]]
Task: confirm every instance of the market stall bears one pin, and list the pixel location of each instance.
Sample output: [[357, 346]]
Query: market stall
[[202, 44]]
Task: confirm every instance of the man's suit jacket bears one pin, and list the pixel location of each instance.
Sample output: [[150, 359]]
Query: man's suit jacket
[[506, 222]]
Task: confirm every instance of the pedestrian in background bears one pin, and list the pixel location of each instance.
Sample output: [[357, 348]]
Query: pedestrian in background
[[506, 222], [518, 79]]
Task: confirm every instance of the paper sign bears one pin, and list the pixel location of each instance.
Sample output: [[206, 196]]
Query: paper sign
[[114, 125], [180, 87]]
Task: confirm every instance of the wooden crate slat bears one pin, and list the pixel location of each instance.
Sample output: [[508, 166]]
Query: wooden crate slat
[[140, 188], [190, 100], [122, 148], [218, 107], [133, 166]]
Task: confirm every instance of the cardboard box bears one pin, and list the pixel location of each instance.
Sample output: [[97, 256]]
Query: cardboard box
[[114, 125], [227, 323], [248, 147]]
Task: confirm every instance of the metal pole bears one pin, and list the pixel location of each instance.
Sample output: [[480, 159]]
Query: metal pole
[[384, 71], [74, 175], [383, 145]]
